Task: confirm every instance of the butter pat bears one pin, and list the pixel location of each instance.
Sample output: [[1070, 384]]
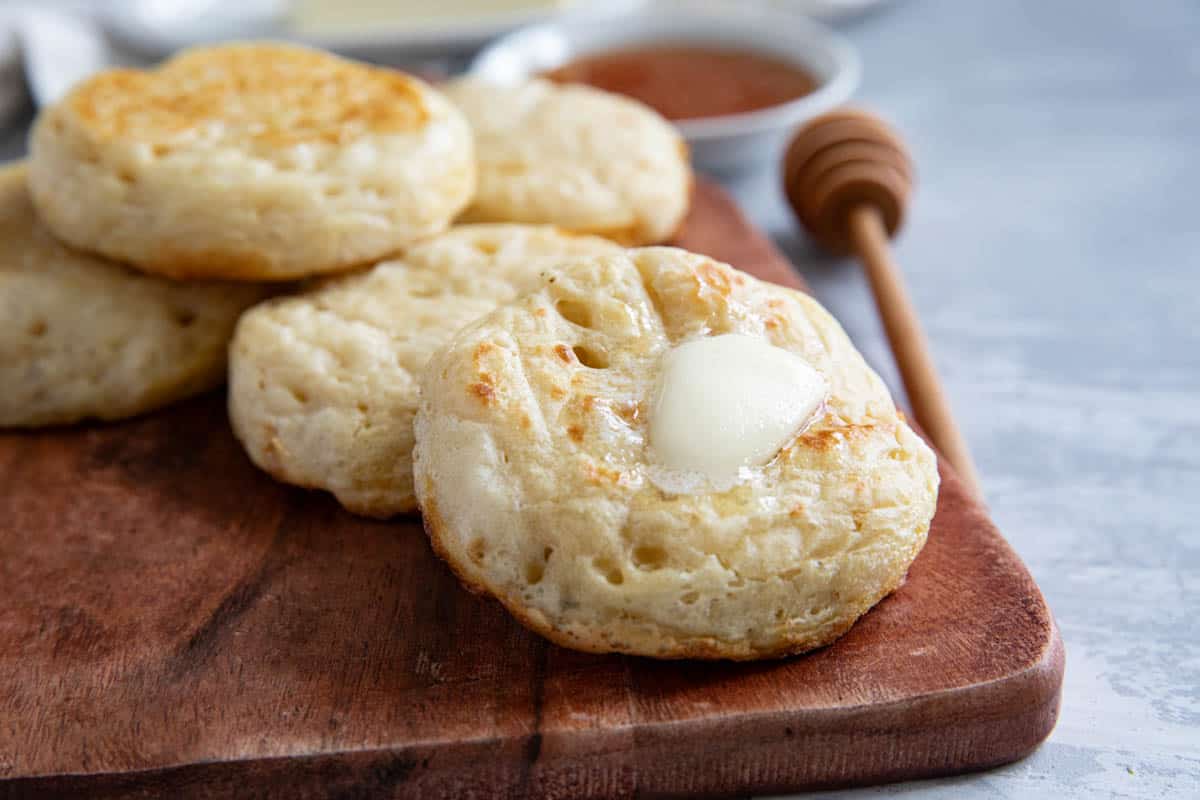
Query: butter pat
[[726, 403]]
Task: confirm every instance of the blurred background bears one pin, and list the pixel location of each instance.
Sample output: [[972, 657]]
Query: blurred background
[[51, 43], [1053, 251]]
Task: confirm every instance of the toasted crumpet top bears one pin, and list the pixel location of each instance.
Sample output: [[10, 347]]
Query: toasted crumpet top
[[250, 162], [263, 96]]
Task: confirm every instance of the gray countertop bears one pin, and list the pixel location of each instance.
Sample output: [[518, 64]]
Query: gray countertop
[[1053, 251]]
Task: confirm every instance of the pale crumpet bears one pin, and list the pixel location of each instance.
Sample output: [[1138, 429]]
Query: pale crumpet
[[323, 385], [536, 471], [577, 157], [86, 338]]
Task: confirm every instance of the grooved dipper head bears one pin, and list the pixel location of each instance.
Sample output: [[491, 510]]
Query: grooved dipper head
[[842, 160]]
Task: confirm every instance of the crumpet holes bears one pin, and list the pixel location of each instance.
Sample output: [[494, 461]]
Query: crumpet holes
[[38, 328], [535, 569], [611, 572], [574, 312], [477, 550], [184, 317], [649, 557], [590, 356]]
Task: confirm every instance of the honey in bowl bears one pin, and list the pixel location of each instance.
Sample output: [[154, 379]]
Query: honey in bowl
[[687, 82]]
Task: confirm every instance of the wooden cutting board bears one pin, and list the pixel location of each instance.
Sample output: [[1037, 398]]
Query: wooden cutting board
[[174, 622]]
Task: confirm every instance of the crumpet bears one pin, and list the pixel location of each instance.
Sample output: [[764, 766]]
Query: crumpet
[[250, 162], [86, 338], [577, 157], [323, 385], [539, 485]]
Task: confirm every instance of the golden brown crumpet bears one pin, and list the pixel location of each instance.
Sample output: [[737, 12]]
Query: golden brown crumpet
[[250, 162]]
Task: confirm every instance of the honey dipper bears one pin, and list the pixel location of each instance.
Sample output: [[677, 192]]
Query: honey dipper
[[847, 176]]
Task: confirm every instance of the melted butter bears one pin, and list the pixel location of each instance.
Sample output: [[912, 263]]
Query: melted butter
[[724, 405]]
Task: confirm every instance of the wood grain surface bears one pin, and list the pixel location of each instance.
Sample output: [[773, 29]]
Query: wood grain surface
[[173, 622]]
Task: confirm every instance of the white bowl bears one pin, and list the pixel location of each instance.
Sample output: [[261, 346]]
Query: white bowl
[[724, 144]]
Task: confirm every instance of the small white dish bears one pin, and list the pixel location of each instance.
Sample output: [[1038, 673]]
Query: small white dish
[[441, 36], [158, 28], [724, 144]]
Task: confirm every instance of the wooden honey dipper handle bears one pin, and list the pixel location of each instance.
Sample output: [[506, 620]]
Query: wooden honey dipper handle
[[847, 175], [909, 346]]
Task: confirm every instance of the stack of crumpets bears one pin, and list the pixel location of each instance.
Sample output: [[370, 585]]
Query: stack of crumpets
[[633, 450], [157, 206]]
